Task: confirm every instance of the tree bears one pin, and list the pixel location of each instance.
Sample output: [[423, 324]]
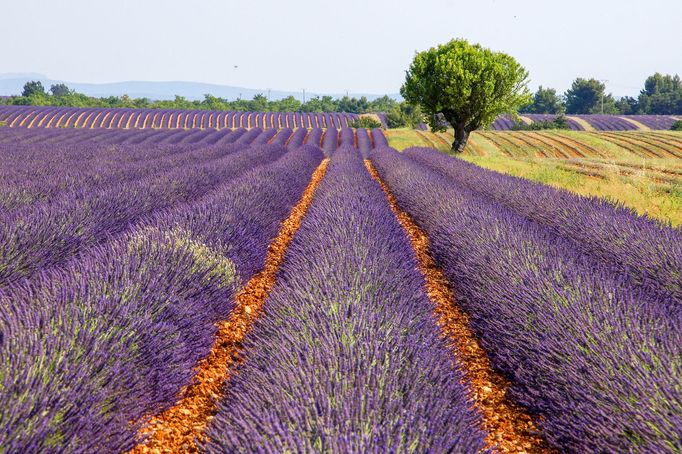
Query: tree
[[317, 104], [59, 90], [588, 96], [627, 105], [545, 101], [662, 95], [467, 85], [383, 104], [33, 88], [259, 103], [404, 114], [289, 104]]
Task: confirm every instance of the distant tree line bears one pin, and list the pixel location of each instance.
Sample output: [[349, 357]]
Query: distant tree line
[[398, 114], [662, 95]]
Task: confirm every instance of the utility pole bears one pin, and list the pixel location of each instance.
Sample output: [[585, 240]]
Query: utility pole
[[268, 94], [304, 96], [602, 94]]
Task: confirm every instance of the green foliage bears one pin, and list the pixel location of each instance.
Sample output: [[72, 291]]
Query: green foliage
[[662, 95], [586, 96], [59, 90], [3, 123], [33, 88], [356, 105], [404, 115], [466, 85], [627, 105], [63, 96], [365, 122], [558, 123], [545, 101], [677, 126]]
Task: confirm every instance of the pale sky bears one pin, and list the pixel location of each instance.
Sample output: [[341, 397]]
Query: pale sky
[[334, 46]]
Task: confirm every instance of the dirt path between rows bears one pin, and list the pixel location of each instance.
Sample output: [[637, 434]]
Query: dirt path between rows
[[509, 428], [180, 427]]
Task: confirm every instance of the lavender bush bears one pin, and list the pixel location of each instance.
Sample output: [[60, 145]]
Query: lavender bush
[[598, 361]]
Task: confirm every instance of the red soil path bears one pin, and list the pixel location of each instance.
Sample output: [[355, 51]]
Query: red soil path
[[509, 428], [180, 427]]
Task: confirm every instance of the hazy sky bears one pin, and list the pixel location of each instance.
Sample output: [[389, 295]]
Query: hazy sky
[[333, 46]]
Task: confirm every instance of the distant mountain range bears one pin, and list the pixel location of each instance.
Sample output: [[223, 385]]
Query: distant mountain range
[[13, 83]]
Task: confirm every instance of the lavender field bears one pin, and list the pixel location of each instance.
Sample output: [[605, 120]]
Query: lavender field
[[283, 283]]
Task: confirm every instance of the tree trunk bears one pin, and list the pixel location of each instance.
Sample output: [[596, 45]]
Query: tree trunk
[[461, 137]]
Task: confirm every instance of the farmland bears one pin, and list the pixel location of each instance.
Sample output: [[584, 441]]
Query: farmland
[[640, 169], [275, 282]]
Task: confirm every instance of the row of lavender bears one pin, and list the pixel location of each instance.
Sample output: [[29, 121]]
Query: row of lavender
[[76, 117], [648, 253], [89, 347], [590, 338], [39, 140], [597, 122], [53, 208], [348, 357], [48, 232]]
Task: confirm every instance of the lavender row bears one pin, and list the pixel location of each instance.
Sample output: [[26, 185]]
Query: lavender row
[[364, 142], [297, 138], [594, 360], [33, 239], [85, 352], [46, 180], [330, 141], [648, 252], [75, 117], [347, 356], [116, 136], [597, 121]]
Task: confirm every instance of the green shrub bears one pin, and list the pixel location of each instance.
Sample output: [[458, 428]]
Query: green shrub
[[364, 122], [558, 123], [677, 126]]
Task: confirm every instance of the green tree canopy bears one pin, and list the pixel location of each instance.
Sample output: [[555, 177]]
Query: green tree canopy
[[586, 97], [467, 85], [662, 95], [59, 90], [33, 88], [545, 101]]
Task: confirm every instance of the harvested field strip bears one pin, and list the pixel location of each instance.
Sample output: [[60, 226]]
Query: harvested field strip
[[561, 150], [584, 169], [636, 140], [638, 151], [670, 148], [514, 148], [667, 140], [178, 428], [668, 137], [675, 171], [540, 148], [543, 148], [580, 147], [443, 140], [605, 168], [494, 139], [509, 428], [427, 139], [494, 145]]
